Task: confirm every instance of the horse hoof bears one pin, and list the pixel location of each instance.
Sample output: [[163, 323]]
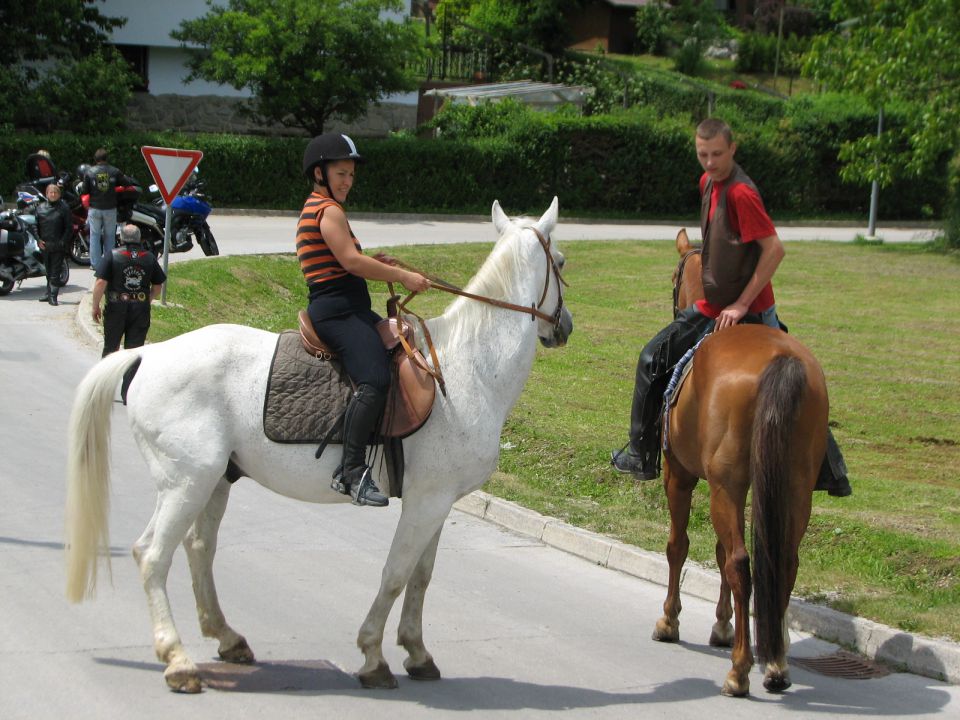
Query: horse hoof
[[378, 679], [183, 681], [240, 653], [425, 671], [720, 639], [735, 689], [666, 632], [777, 682]]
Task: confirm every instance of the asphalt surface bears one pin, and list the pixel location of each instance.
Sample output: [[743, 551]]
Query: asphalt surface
[[525, 615]]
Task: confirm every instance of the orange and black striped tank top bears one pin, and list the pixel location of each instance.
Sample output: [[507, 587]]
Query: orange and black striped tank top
[[317, 261]]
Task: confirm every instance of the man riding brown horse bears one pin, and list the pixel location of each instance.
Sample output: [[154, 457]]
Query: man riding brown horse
[[741, 253]]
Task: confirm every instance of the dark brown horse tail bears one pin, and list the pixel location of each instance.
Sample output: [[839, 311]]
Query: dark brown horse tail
[[781, 389]]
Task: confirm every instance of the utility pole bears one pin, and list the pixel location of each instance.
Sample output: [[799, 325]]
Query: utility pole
[[875, 188]]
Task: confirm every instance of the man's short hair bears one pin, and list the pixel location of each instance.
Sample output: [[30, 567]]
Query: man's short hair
[[130, 234], [711, 127], [100, 155]]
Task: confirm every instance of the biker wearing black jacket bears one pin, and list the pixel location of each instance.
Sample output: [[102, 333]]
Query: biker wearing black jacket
[[100, 182], [55, 226]]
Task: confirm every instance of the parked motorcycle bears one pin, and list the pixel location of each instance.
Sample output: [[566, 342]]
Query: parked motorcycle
[[189, 218], [79, 250], [20, 254]]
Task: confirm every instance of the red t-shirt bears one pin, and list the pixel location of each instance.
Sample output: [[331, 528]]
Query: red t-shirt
[[748, 218]]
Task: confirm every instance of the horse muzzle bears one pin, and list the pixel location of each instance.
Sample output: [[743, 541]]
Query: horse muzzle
[[560, 332]]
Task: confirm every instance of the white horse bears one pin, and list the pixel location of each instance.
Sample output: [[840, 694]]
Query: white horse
[[195, 410]]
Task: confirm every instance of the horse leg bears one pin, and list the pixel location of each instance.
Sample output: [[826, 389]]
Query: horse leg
[[419, 526], [679, 489], [175, 512], [419, 663], [721, 635], [776, 676], [201, 546], [727, 515]]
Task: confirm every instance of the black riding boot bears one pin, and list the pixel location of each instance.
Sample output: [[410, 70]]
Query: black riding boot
[[833, 471], [641, 456], [354, 477], [54, 291], [46, 294]]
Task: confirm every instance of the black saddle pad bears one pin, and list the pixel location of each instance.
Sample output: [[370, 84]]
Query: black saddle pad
[[305, 396]]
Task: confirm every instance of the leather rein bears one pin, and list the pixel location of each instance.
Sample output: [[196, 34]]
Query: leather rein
[[678, 278], [440, 284]]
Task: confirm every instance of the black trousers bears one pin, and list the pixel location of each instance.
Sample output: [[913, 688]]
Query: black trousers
[[53, 262], [654, 367], [355, 339], [127, 321]]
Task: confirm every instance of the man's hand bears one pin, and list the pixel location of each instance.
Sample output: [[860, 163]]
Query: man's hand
[[730, 316], [97, 313]]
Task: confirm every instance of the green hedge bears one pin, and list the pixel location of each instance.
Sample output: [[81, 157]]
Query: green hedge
[[637, 164]]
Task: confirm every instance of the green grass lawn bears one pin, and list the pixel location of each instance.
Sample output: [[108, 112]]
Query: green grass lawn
[[884, 322]]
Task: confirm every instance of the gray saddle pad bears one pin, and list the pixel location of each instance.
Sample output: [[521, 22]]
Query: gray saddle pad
[[305, 396]]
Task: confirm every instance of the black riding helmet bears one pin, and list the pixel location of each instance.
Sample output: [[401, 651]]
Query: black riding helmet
[[327, 148]]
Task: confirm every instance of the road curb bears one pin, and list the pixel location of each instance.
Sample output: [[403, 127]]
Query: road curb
[[938, 659]]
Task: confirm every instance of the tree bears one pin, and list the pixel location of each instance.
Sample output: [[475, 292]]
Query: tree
[[305, 61], [539, 23], [56, 70], [889, 51]]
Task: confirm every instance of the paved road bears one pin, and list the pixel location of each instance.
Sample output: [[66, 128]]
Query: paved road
[[238, 234], [517, 627]]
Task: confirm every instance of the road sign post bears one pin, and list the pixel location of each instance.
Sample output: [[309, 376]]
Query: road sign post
[[170, 169]]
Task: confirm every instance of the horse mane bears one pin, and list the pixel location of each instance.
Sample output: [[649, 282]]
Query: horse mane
[[464, 318]]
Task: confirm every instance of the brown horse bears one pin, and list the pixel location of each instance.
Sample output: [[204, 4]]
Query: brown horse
[[751, 414]]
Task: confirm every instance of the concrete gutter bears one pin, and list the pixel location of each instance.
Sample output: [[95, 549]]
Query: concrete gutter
[[938, 659]]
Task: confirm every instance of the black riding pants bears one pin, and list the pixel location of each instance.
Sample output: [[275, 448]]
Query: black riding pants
[[53, 262], [126, 320], [654, 368], [355, 339]]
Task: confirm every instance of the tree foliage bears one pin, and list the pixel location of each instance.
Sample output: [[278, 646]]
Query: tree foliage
[[56, 71], [889, 51], [305, 61], [541, 24]]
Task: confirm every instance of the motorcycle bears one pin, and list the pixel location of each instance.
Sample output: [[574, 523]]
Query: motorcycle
[[79, 250], [189, 218], [20, 254]]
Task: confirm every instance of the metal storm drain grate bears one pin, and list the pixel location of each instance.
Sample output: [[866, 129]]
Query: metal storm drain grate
[[842, 664]]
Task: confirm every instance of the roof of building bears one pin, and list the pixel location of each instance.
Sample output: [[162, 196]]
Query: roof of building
[[525, 91]]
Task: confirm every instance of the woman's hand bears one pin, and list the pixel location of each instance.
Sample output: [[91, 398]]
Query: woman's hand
[[414, 282]]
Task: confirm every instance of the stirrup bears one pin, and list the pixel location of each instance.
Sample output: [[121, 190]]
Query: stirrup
[[339, 483], [365, 492]]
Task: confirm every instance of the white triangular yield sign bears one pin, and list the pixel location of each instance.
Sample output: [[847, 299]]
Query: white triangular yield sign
[[170, 168]]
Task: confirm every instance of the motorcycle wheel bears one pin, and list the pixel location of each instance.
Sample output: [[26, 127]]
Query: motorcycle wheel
[[207, 242], [78, 253], [64, 275], [6, 285]]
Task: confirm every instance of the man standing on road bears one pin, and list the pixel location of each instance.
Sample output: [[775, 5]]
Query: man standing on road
[[741, 253], [100, 183], [131, 278]]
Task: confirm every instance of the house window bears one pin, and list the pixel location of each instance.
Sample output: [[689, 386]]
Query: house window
[[137, 57]]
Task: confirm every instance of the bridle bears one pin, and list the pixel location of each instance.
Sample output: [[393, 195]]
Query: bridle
[[534, 310], [396, 306], [678, 278]]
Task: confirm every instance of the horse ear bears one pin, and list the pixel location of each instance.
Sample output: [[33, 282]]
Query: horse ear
[[548, 222], [500, 220], [683, 242]]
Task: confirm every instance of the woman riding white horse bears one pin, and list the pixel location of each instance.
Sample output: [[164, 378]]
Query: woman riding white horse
[[195, 411]]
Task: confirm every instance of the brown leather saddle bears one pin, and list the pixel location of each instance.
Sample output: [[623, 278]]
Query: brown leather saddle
[[308, 390]]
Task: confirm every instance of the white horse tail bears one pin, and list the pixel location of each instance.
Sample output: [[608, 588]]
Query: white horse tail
[[88, 473]]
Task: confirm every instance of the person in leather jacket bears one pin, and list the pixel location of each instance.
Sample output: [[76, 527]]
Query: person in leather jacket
[[100, 183], [131, 278], [55, 225]]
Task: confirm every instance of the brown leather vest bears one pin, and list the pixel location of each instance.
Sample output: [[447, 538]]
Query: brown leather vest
[[728, 263]]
